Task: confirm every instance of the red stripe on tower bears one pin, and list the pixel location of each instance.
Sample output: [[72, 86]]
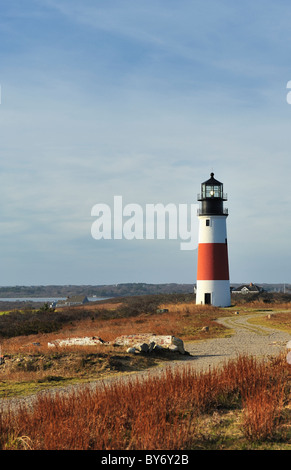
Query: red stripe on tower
[[212, 262]]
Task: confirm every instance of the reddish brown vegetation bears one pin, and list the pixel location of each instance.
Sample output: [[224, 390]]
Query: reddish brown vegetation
[[156, 413], [182, 320]]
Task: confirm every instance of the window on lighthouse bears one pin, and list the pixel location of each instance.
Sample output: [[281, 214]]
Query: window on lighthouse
[[213, 191]]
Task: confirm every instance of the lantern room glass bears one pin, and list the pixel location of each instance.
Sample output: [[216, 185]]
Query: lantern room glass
[[212, 191]]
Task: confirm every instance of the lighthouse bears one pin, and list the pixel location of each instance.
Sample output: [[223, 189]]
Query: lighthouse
[[213, 285]]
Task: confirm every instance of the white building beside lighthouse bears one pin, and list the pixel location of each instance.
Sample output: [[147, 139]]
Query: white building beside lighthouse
[[213, 285]]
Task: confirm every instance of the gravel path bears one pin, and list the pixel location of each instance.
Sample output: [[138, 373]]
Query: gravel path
[[246, 338]]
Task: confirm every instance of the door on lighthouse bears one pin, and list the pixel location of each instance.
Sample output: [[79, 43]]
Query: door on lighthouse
[[207, 299]]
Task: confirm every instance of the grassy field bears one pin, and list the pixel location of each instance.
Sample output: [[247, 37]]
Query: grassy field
[[244, 405], [31, 366]]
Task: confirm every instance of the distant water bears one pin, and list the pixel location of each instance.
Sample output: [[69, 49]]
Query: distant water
[[44, 299]]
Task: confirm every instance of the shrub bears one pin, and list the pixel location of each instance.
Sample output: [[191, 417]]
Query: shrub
[[161, 412]]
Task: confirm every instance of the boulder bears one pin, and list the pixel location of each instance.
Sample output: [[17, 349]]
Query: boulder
[[179, 343], [142, 347], [151, 346], [152, 341], [85, 341]]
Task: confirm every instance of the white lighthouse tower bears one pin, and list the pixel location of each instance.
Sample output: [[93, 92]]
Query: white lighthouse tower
[[213, 285]]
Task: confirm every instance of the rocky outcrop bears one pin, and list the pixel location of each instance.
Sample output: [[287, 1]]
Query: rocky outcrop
[[147, 342], [85, 341]]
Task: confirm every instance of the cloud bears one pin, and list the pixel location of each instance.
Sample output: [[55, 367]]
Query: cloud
[[142, 100]]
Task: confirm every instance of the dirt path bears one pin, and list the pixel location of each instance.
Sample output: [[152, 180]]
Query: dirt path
[[245, 338]]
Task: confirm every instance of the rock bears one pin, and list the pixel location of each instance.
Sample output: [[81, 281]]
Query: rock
[[151, 346], [205, 328], [86, 341], [288, 345], [179, 343], [152, 341], [142, 347]]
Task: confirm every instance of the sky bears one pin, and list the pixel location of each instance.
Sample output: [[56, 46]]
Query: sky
[[143, 100]]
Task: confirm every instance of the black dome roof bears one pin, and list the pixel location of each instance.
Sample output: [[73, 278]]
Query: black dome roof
[[212, 181]]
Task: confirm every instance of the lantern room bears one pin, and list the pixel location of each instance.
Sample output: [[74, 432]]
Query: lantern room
[[212, 197]]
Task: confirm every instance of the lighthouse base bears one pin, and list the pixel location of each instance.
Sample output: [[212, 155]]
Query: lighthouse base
[[215, 293]]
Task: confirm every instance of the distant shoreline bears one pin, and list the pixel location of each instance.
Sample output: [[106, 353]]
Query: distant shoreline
[[56, 292], [43, 299]]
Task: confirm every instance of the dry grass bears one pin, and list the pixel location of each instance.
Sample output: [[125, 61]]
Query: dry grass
[[260, 304], [29, 360], [278, 319], [164, 413], [183, 320], [243, 404]]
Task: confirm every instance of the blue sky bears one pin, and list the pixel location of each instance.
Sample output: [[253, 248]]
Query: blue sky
[[143, 100]]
